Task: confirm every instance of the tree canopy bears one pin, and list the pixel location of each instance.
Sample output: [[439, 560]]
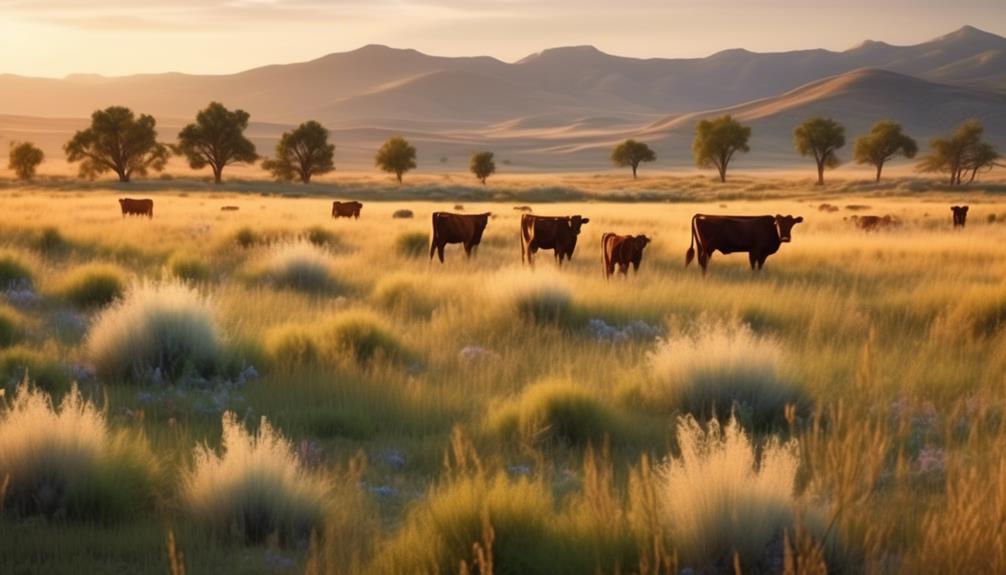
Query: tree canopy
[[963, 155], [24, 159], [216, 139], [820, 138], [396, 156], [302, 153], [482, 165], [885, 141], [717, 141], [631, 153], [117, 141]]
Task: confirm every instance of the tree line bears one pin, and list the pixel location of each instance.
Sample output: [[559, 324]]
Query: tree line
[[119, 141]]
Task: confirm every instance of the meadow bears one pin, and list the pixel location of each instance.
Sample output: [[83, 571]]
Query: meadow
[[268, 390]]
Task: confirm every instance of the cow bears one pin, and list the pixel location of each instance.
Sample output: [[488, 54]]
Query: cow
[[462, 229], [875, 223], [621, 251], [346, 209], [131, 207], [759, 236], [960, 215], [549, 233]]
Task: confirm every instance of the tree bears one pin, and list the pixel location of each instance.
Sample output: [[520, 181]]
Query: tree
[[302, 153], [821, 138], [482, 165], [216, 140], [117, 141], [885, 141], [716, 142], [24, 159], [396, 156], [964, 154], [631, 153]]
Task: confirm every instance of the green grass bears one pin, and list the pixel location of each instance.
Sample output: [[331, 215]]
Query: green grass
[[93, 286]]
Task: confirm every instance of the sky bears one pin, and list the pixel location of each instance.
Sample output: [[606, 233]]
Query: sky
[[115, 37]]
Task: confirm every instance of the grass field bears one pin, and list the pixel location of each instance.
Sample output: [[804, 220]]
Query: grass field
[[268, 390]]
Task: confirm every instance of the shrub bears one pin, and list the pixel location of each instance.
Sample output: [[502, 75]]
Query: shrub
[[723, 368], [246, 237], [412, 244], [255, 487], [719, 498], [13, 271], [46, 372], [300, 266], [11, 329], [50, 241], [189, 268], [322, 237], [93, 285], [407, 293], [556, 412], [541, 297], [67, 462], [441, 531], [156, 331], [402, 214], [356, 335]]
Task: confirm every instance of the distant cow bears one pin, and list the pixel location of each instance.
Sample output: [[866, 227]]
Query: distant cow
[[131, 207], [549, 233], [875, 223], [457, 229], [759, 236], [525, 209], [346, 209], [960, 215], [621, 251]]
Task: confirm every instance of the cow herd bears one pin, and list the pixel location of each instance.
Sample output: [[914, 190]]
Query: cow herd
[[757, 236]]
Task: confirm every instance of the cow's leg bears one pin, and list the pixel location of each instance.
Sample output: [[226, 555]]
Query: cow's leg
[[704, 257], [468, 249], [753, 260], [761, 262], [623, 268], [440, 251]]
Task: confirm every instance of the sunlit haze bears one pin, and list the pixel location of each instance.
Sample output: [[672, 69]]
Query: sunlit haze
[[114, 37]]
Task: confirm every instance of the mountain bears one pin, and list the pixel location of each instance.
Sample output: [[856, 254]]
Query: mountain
[[555, 108]]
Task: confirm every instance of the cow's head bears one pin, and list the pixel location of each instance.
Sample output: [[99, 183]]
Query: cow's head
[[481, 221], [784, 226], [121, 201], [641, 242], [575, 222]]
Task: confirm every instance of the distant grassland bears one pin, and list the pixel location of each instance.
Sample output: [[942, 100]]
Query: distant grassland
[[418, 411]]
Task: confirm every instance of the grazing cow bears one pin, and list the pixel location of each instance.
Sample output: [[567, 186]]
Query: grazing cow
[[457, 229], [759, 236], [131, 207], [875, 223], [960, 215], [346, 209], [622, 250], [229, 208], [549, 233], [525, 209]]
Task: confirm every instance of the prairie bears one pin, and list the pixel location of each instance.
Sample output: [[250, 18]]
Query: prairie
[[303, 394]]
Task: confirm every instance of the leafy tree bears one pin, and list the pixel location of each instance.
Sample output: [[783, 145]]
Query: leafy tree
[[117, 141], [482, 165], [302, 153], [885, 141], [716, 142], [964, 154], [24, 159], [631, 153], [396, 156], [216, 140], [821, 138]]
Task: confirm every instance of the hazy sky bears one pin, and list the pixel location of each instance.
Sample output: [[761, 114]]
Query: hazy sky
[[56, 37]]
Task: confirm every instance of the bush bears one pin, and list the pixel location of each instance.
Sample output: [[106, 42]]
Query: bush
[[46, 372], [723, 368], [246, 237], [355, 335], [300, 266], [50, 241], [156, 331], [402, 214], [406, 293], [189, 268], [556, 412], [66, 462], [255, 487], [441, 531], [718, 498], [93, 285], [322, 237], [541, 297], [412, 244], [13, 271], [11, 329]]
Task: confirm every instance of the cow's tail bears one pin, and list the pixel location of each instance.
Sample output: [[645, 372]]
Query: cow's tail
[[605, 260], [690, 254]]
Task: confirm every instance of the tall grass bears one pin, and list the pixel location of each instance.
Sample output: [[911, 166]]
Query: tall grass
[[254, 487], [357, 336], [557, 412], [93, 285], [158, 330], [67, 462], [13, 271], [540, 296], [300, 266]]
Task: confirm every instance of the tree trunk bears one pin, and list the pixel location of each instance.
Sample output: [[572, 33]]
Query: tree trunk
[[305, 178], [880, 167], [123, 176], [399, 176], [634, 167], [820, 173], [723, 175], [217, 175]]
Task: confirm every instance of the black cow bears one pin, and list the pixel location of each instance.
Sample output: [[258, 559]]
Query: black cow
[[457, 229], [960, 215], [549, 233], [759, 236]]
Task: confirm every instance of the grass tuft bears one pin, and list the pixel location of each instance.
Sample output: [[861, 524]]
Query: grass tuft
[[93, 285], [300, 266], [412, 245], [356, 335], [556, 412], [189, 268]]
